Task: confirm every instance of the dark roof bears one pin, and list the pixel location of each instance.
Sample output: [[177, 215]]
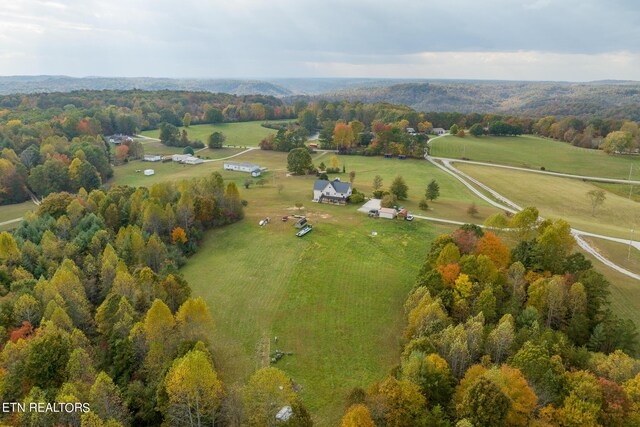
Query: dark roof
[[340, 187]]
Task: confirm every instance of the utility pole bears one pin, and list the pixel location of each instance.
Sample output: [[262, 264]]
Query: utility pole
[[630, 184]]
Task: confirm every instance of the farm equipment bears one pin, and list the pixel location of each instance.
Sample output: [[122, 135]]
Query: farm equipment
[[305, 230], [301, 222], [264, 222]]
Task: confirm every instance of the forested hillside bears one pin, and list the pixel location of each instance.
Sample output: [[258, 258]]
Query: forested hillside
[[605, 100], [35, 84]]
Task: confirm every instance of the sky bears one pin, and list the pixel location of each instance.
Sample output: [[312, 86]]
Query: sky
[[560, 40]]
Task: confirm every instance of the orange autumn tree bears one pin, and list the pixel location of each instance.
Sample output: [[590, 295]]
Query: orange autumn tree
[[178, 235], [449, 273], [122, 152], [491, 246]]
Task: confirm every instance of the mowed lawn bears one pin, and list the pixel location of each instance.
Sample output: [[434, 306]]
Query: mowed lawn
[[243, 134], [557, 197], [624, 255], [171, 171], [533, 152], [334, 297], [453, 202], [625, 291], [454, 198], [9, 212]]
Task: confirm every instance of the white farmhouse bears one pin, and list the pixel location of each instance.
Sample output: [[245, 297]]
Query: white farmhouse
[[331, 191], [438, 131]]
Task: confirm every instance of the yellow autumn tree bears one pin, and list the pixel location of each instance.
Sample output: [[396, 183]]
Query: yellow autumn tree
[[194, 320], [267, 391], [357, 416], [193, 389]]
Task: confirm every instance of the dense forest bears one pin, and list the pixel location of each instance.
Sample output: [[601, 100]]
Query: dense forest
[[499, 337]]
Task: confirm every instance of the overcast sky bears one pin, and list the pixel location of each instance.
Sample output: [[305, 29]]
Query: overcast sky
[[574, 40]]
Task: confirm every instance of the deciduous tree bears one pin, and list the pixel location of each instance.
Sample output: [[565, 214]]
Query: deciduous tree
[[399, 188], [193, 389]]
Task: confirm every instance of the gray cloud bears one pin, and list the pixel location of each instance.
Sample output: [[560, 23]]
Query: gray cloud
[[255, 38]]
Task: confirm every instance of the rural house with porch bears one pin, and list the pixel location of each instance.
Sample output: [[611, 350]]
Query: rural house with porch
[[335, 191]]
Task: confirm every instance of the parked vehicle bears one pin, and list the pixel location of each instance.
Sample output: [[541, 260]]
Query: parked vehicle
[[301, 222], [305, 230], [409, 217]]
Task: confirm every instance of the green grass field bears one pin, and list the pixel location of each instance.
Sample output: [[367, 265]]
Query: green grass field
[[619, 253], [561, 198], [9, 212], [625, 291], [171, 171], [244, 134], [156, 147], [534, 152], [334, 298], [452, 204], [622, 190]]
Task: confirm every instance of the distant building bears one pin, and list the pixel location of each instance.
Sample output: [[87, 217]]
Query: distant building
[[438, 131], [149, 172], [411, 131], [186, 159], [119, 139], [254, 170], [192, 161], [180, 157], [152, 157], [331, 191]]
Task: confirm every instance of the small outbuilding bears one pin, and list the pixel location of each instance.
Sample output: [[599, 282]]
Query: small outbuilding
[[152, 157], [180, 157], [149, 172], [438, 131], [191, 160], [388, 213]]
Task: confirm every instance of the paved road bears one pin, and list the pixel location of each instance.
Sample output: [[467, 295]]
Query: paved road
[[513, 208]]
